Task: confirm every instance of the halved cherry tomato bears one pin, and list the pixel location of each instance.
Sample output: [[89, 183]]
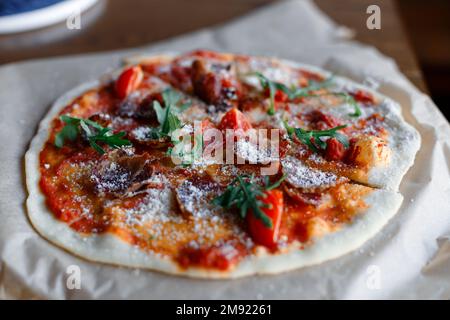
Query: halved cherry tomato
[[352, 152], [363, 97], [234, 119], [205, 125], [128, 81], [259, 232], [335, 150], [322, 121], [279, 95]]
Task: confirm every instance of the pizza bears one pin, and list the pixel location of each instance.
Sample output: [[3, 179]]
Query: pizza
[[217, 165]]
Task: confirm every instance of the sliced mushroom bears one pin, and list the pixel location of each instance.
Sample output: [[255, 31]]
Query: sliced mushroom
[[120, 172], [146, 135], [195, 197]]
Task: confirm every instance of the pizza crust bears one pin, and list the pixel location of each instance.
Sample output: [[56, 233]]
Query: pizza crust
[[106, 248], [404, 140]]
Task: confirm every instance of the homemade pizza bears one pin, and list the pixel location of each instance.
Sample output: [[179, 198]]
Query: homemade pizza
[[217, 165]]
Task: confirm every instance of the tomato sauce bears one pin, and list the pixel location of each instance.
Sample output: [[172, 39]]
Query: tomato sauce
[[212, 241]]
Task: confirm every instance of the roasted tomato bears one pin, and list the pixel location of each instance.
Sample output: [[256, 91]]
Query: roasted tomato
[[207, 84], [234, 119], [363, 97], [128, 81], [215, 83], [335, 150], [279, 96], [207, 124], [322, 121], [259, 232], [181, 77], [353, 152]]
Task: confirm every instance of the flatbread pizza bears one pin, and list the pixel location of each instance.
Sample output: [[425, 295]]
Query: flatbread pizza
[[217, 165]]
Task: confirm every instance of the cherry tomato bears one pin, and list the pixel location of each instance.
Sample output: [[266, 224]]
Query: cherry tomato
[[207, 124], [353, 152], [128, 81], [280, 96], [234, 119], [335, 150], [322, 121], [363, 97], [259, 232]]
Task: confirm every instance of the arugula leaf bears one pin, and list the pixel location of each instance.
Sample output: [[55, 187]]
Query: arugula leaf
[[167, 118], [347, 98], [187, 157], [312, 138], [68, 132], [350, 100], [276, 184], [169, 122], [172, 98], [314, 86], [243, 193], [273, 87], [292, 93], [94, 133]]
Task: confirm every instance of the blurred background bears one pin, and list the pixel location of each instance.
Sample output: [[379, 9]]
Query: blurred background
[[415, 33]]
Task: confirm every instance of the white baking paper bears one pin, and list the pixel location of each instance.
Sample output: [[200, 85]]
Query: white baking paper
[[409, 258]]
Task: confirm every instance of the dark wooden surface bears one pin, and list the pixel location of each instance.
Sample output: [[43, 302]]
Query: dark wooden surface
[[429, 24], [115, 24]]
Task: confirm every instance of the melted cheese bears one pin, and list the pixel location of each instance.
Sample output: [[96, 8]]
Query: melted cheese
[[372, 151]]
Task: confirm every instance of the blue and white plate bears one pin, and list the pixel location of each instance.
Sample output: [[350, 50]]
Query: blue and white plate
[[24, 15]]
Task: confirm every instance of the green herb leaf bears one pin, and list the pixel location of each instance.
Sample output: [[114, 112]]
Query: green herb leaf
[[243, 193], [187, 157], [292, 93], [312, 86], [167, 118], [347, 98], [94, 133], [357, 113], [68, 132], [272, 86], [312, 138], [276, 184]]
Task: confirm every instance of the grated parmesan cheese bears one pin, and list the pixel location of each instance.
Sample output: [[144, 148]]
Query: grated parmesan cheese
[[301, 176]]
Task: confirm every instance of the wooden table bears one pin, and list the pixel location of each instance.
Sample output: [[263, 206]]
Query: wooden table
[[118, 24]]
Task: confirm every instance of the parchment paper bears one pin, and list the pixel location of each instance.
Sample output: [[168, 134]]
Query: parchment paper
[[410, 258]]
